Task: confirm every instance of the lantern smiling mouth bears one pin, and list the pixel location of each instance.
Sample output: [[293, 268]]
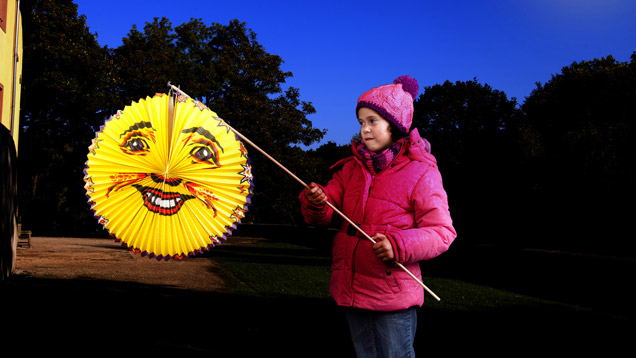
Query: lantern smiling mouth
[[160, 202]]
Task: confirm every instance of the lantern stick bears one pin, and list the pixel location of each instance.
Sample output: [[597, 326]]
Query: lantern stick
[[306, 186]]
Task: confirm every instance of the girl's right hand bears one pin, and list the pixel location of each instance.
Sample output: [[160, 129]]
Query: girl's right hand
[[315, 195]]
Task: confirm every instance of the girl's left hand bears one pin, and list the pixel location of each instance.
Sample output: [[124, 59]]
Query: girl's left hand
[[383, 249]]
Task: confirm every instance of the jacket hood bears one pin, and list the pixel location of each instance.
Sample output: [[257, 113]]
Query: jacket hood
[[419, 149]]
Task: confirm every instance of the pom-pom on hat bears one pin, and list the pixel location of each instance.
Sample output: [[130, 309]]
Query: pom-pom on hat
[[394, 102]]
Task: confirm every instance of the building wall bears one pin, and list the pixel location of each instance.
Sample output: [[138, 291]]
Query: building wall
[[10, 96]]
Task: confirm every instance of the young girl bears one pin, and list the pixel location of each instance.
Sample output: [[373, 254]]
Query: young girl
[[391, 188]]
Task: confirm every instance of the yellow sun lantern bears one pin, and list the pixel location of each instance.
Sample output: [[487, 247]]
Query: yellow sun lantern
[[167, 177]]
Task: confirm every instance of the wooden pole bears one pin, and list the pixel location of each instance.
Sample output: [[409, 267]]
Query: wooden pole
[[328, 203]]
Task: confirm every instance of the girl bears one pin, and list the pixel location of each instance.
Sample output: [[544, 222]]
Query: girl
[[391, 188]]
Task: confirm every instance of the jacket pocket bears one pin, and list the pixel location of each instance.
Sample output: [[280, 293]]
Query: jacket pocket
[[391, 277]]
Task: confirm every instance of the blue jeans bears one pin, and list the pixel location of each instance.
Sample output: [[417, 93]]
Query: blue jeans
[[382, 334]]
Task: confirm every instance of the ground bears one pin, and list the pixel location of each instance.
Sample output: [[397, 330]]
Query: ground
[[84, 296], [87, 296], [105, 259]]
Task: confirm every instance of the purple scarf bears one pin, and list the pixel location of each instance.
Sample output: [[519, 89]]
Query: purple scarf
[[376, 162]]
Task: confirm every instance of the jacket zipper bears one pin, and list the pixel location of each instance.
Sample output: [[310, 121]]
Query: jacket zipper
[[353, 271], [355, 248]]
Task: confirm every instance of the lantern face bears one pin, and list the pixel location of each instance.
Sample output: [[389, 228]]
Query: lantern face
[[168, 177]]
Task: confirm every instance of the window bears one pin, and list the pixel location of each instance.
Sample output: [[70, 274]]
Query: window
[[1, 100], [3, 14]]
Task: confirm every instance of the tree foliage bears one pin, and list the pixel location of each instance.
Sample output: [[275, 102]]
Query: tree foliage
[[66, 82], [146, 61], [468, 117], [559, 170], [226, 68], [579, 129], [71, 85], [471, 128]]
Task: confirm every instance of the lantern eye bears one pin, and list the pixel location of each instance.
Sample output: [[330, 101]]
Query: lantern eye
[[204, 152], [204, 146], [135, 143]]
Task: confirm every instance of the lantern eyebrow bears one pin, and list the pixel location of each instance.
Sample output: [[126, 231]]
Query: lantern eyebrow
[[203, 132], [136, 126]]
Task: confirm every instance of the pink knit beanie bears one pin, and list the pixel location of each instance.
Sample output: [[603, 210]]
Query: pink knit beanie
[[394, 102]]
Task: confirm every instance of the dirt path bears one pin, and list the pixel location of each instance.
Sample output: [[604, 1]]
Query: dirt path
[[104, 259]]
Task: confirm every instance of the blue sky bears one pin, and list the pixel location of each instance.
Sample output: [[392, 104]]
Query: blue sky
[[336, 50]]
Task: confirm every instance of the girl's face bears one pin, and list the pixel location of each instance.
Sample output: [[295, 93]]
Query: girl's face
[[375, 131]]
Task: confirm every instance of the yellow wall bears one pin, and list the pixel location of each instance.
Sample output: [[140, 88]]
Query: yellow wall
[[7, 58]]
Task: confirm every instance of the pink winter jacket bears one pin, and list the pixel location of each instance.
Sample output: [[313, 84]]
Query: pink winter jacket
[[407, 203]]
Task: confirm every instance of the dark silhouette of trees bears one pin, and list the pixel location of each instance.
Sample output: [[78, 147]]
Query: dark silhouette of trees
[[557, 171], [66, 85], [578, 133], [471, 128], [227, 69], [71, 85]]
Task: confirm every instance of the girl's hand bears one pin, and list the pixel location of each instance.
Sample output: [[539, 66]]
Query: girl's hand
[[383, 249], [315, 195]]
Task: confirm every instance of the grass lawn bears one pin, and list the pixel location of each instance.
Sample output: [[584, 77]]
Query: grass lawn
[[514, 309], [277, 269]]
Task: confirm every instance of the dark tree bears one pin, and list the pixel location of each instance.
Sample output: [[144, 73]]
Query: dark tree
[[472, 130], [65, 87], [147, 61], [71, 85], [579, 131]]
